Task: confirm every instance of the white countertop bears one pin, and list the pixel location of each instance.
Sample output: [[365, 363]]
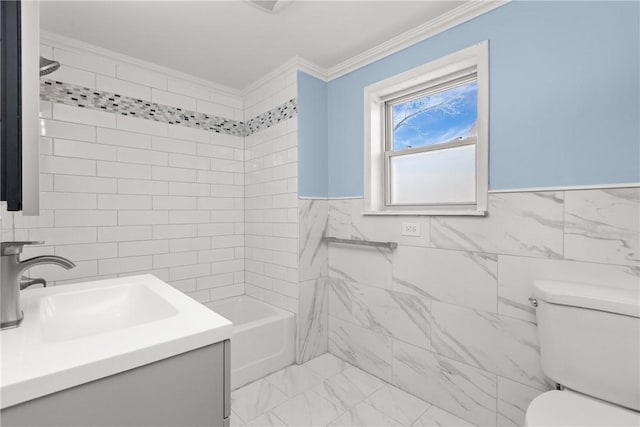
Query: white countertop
[[33, 365]]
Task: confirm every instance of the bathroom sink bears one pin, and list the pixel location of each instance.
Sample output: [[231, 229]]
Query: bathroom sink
[[74, 334], [72, 315]]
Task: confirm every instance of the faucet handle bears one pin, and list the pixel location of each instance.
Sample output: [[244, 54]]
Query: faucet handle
[[14, 248]]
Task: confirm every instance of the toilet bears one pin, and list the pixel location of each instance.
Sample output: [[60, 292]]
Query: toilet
[[590, 346]]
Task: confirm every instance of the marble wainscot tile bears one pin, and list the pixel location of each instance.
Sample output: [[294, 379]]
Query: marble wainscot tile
[[435, 416], [364, 415], [498, 344], [307, 409], [527, 224], [360, 264], [387, 228], [340, 218], [253, 400], [294, 380], [312, 223], [327, 365], [513, 400], [459, 277], [395, 314], [502, 345], [603, 225], [359, 346], [313, 323], [465, 391], [397, 404], [517, 274], [340, 299]]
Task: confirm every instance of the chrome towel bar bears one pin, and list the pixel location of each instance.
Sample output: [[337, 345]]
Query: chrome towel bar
[[388, 245]]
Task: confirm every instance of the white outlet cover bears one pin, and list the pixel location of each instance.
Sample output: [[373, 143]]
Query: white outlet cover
[[411, 229]]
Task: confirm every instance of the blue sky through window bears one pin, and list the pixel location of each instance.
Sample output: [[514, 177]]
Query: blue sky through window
[[436, 118]]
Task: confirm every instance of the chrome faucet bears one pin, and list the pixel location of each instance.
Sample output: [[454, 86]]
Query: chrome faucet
[[12, 280]]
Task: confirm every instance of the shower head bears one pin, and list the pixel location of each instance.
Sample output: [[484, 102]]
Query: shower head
[[47, 66]]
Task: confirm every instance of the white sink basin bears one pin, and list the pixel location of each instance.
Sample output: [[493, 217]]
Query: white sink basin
[[78, 314], [73, 334]]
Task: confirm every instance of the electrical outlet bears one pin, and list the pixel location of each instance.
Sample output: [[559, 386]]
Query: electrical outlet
[[410, 229]]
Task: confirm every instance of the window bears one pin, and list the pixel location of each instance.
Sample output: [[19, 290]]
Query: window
[[426, 138]]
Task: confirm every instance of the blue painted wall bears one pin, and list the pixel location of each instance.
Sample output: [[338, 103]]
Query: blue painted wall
[[564, 99], [312, 137]]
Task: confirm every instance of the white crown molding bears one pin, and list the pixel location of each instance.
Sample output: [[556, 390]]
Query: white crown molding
[[294, 64], [454, 17], [463, 13], [313, 69], [77, 46]]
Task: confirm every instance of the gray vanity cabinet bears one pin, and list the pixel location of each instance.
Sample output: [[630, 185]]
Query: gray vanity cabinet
[[190, 389]]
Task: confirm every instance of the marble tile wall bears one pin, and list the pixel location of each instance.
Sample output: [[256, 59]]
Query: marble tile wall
[[313, 279], [446, 316]]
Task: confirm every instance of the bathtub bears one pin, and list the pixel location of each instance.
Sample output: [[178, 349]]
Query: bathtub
[[262, 340]]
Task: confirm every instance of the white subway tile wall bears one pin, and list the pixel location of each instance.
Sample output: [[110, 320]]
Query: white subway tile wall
[[124, 196], [271, 199]]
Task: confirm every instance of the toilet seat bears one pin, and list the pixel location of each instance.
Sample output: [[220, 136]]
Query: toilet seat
[[568, 408]]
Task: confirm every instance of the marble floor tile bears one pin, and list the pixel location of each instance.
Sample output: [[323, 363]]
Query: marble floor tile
[[435, 417], [307, 409], [365, 382], [268, 419], [364, 415], [253, 400], [340, 390], [327, 365], [397, 404], [294, 380], [235, 421], [346, 396]]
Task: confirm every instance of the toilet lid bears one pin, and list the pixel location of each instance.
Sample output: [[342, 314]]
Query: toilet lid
[[567, 408]]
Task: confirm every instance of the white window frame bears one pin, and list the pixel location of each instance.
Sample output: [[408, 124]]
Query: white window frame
[[465, 63]]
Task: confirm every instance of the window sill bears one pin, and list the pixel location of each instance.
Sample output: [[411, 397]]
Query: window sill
[[443, 212]]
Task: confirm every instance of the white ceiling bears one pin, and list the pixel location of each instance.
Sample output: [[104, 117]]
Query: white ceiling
[[232, 42]]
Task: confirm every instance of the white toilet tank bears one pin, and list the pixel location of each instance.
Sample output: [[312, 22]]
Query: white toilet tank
[[590, 339]]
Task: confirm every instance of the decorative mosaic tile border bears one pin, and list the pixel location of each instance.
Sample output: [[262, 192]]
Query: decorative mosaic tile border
[[272, 117], [78, 96]]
